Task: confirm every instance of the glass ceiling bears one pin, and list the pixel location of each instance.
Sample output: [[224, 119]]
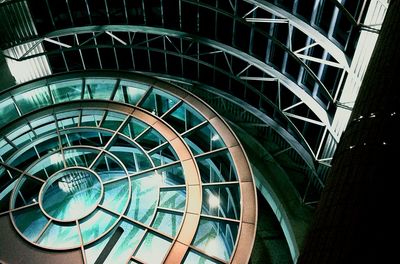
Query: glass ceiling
[[117, 166]]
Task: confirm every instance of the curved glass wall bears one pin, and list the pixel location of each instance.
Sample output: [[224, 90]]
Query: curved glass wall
[[120, 165]]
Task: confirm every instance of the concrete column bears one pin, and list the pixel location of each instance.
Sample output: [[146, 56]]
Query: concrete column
[[355, 221]]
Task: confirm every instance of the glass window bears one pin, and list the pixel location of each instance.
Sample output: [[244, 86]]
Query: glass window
[[80, 157], [173, 199], [99, 88], [158, 102], [183, 118], [5, 150], [163, 155], [76, 137], [216, 238], [128, 236], [96, 224], [130, 92], [47, 166], [66, 91], [108, 168], [67, 119], [204, 139], [91, 118], [222, 201], [60, 236], [150, 139], [30, 221], [168, 222], [195, 257], [133, 128], [8, 111], [172, 175], [113, 120], [116, 196], [33, 99], [144, 197], [150, 242], [217, 167], [28, 192]]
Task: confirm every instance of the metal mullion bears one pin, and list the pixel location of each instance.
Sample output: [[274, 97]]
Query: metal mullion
[[80, 52], [115, 52], [154, 168], [115, 89], [180, 14], [69, 12], [125, 12], [144, 13], [220, 218], [147, 227], [173, 187], [64, 59], [211, 184], [42, 231], [81, 240], [89, 13], [148, 51], [59, 141], [170, 210], [165, 54], [151, 151], [173, 108], [97, 50], [162, 13], [210, 152], [107, 11], [131, 49], [194, 128]]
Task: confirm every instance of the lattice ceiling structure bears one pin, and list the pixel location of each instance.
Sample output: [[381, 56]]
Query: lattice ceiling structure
[[286, 72]]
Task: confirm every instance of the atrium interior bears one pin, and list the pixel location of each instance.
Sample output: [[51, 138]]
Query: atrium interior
[[173, 131]]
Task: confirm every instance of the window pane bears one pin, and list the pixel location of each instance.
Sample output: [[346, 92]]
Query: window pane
[[99, 88], [96, 224], [150, 139], [8, 112], [163, 155], [59, 236], [30, 221], [116, 196], [217, 167], [222, 201], [33, 99], [195, 257], [183, 118], [151, 242], [216, 238], [158, 102], [130, 92], [108, 168], [168, 222], [174, 199], [203, 140], [66, 91]]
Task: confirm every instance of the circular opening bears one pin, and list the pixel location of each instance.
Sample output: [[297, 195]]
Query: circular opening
[[71, 194]]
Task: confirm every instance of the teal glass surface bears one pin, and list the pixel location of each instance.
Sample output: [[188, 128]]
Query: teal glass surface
[[30, 221], [173, 198], [47, 166], [66, 91], [99, 88], [158, 102], [144, 197], [183, 118], [116, 196], [96, 224], [216, 237], [217, 167], [82, 157], [204, 139], [122, 249], [146, 250], [34, 99], [28, 192], [130, 92], [133, 128], [195, 257], [108, 168], [168, 222], [150, 139], [60, 236], [7, 111], [163, 155], [71, 194], [222, 201]]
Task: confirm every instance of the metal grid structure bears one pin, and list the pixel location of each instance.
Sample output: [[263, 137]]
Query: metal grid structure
[[141, 159]]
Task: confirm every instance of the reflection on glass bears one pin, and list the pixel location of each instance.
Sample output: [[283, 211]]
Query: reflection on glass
[[77, 137], [60, 236], [204, 139], [30, 221], [150, 139], [96, 224], [195, 257], [28, 191], [113, 120], [167, 222], [173, 199], [146, 250], [216, 238], [98, 88], [8, 111], [217, 167], [116, 195], [108, 168], [144, 196], [91, 117], [67, 119], [66, 91], [71, 194], [129, 237], [33, 99], [223, 201], [158, 102], [163, 155], [172, 175], [183, 118], [130, 92], [80, 157], [47, 166], [133, 128]]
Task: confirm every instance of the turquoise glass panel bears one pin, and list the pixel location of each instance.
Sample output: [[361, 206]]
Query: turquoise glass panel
[[108, 168], [99, 88], [217, 167], [163, 155], [222, 201], [173, 198], [80, 157], [60, 236], [168, 222], [116, 195], [130, 92], [216, 238], [144, 197], [183, 118], [158, 102], [30, 221], [133, 128], [33, 99], [96, 225], [196, 257], [66, 91], [8, 111], [146, 250], [204, 139]]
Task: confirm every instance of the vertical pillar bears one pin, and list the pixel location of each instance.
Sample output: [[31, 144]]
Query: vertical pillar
[[354, 222]]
